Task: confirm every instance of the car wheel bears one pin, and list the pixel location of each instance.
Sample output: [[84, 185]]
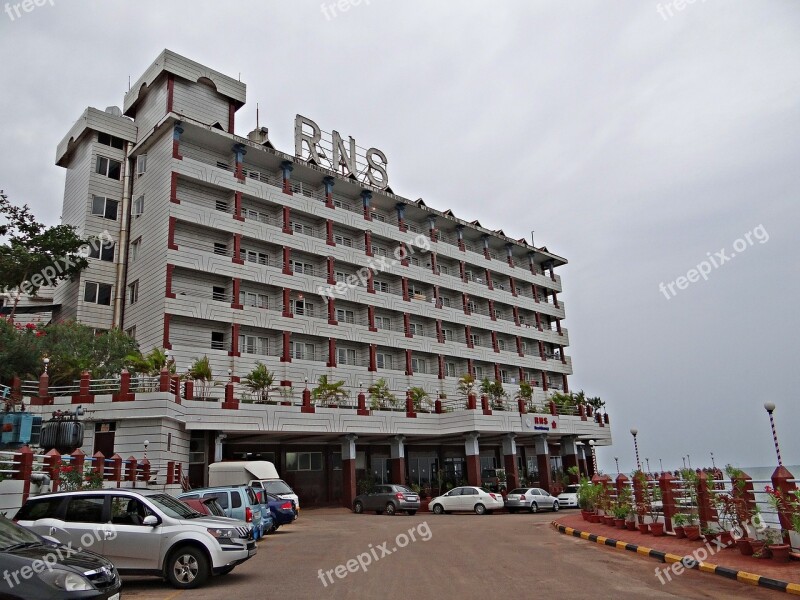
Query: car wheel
[[358, 508], [411, 513], [534, 507], [187, 568], [555, 506], [390, 509], [480, 509], [437, 509]]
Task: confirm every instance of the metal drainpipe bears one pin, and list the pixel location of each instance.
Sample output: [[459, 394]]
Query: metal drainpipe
[[122, 243]]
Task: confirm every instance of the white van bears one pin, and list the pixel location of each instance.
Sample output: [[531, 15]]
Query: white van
[[260, 474]]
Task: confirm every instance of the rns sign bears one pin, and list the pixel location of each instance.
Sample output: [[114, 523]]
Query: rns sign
[[330, 150]]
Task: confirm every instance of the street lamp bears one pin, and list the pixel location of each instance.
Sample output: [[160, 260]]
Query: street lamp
[[594, 456], [305, 379], [770, 408], [46, 362], [634, 433], [616, 460], [689, 460], [713, 464], [660, 465], [146, 444], [647, 460], [683, 458]]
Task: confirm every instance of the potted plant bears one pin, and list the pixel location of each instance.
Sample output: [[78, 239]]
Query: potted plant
[[709, 534], [525, 393], [287, 393], [587, 496], [786, 503], [466, 385], [421, 399], [200, 372], [259, 381], [678, 521], [380, 396], [691, 484], [647, 505], [494, 390], [329, 393]]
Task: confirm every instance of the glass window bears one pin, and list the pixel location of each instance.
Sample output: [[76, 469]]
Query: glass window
[[128, 511], [85, 509], [236, 500], [222, 498], [102, 251], [97, 293], [110, 140], [109, 167], [105, 207], [133, 292], [44, 508]]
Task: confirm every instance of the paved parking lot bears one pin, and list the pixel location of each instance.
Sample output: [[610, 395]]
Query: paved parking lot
[[466, 556]]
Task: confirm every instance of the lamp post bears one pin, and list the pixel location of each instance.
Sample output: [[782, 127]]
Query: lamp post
[[683, 458], [647, 460], [594, 456], [146, 444], [616, 460], [713, 464], [770, 408], [634, 433], [660, 465], [46, 363], [689, 460]]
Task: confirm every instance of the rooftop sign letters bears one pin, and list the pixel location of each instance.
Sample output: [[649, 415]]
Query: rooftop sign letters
[[332, 152]]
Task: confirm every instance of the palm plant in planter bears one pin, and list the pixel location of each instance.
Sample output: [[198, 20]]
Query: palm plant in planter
[[494, 390], [200, 372], [525, 393], [466, 385], [329, 393], [420, 398], [259, 381], [380, 396]]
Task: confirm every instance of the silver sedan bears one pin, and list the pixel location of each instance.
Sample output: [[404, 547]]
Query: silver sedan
[[530, 499]]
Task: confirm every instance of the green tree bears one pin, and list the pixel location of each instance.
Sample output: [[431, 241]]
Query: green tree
[[327, 392], [33, 255], [419, 397], [150, 364], [200, 371], [20, 353], [260, 381]]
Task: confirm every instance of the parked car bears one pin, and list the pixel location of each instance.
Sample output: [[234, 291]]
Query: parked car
[[237, 501], [467, 498], [282, 511], [66, 573], [532, 499], [569, 497], [143, 532], [389, 499], [259, 474]]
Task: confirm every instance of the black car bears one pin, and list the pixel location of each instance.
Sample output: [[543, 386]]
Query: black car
[[33, 568], [283, 511], [389, 499]]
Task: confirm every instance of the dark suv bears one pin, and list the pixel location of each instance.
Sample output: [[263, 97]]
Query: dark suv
[[389, 499], [35, 568]]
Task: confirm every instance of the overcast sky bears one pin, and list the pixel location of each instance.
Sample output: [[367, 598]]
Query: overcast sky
[[633, 142]]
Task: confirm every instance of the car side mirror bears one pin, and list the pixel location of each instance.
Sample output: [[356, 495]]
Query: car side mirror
[[150, 521]]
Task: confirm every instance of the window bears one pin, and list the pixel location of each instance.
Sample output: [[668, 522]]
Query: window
[[382, 286], [110, 140], [138, 207], [379, 250], [220, 248], [302, 307], [253, 299], [504, 376], [301, 228], [378, 217], [445, 301], [221, 205], [343, 241], [450, 369], [419, 365], [415, 261], [133, 292], [221, 497], [141, 165], [217, 340], [135, 247], [85, 509], [501, 344], [340, 276], [251, 344], [522, 319], [444, 270], [471, 306], [102, 251], [305, 268], [345, 316], [261, 258], [478, 373], [44, 508], [338, 204], [346, 356], [97, 293], [415, 329], [447, 335], [304, 461], [524, 347], [383, 323], [127, 511], [475, 339], [301, 350], [469, 276], [255, 215], [383, 361], [131, 332], [105, 207], [109, 167], [218, 293]]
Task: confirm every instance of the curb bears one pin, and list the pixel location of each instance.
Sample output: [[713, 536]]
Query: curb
[[666, 557]]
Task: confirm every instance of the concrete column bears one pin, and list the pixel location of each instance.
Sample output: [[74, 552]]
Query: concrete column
[[473, 452], [397, 460], [543, 461], [582, 459], [510, 461], [348, 470], [569, 455]]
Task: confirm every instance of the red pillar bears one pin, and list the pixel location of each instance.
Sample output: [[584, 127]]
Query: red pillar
[[329, 233], [286, 355], [782, 481]]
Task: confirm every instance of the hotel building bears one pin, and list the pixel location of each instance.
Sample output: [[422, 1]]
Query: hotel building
[[224, 246]]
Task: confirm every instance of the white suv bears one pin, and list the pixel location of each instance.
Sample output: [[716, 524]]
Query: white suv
[[142, 532]]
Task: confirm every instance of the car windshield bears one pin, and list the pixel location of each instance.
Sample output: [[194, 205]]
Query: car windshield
[[12, 534], [172, 507], [402, 488], [570, 489], [277, 487], [518, 491]]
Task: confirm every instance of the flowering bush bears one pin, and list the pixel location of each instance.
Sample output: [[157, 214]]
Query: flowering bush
[[787, 503], [70, 478]]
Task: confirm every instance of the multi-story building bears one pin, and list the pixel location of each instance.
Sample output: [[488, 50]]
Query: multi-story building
[[225, 247]]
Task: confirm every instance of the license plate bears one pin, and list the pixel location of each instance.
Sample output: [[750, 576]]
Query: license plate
[[412, 498], [114, 597]]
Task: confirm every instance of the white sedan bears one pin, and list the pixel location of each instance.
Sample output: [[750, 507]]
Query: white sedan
[[569, 497], [467, 498], [531, 499]]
